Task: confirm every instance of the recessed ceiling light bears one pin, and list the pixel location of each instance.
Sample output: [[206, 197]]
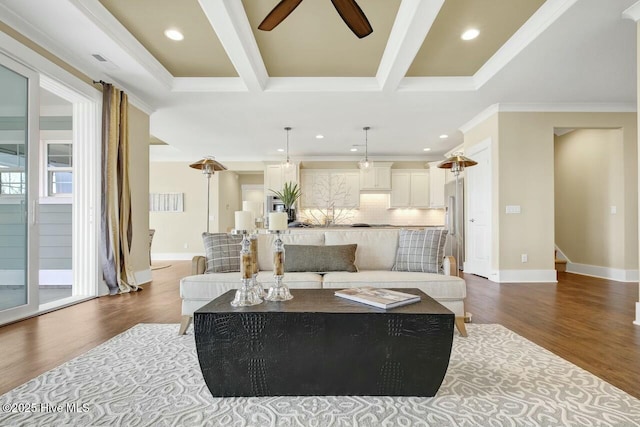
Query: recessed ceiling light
[[353, 149], [444, 136], [319, 136], [426, 149], [470, 34], [281, 150], [174, 34]]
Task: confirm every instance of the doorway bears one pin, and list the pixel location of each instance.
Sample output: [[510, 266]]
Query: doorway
[[18, 190], [55, 207], [478, 219]]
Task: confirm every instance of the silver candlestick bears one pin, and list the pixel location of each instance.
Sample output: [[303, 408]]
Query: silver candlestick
[[279, 291], [257, 287], [245, 295]]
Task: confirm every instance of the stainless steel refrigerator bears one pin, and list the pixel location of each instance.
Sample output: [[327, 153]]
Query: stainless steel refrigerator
[[454, 220]]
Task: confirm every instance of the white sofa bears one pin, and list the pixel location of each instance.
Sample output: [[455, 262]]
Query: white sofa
[[375, 256]]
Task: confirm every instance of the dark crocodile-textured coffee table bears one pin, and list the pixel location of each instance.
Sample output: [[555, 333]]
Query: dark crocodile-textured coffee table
[[320, 344]]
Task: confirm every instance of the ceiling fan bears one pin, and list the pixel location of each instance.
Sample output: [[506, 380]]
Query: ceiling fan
[[348, 10]]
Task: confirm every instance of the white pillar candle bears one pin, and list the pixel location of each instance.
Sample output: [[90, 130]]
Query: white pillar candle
[[278, 220], [244, 220]]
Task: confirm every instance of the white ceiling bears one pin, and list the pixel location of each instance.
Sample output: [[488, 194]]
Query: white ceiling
[[571, 55]]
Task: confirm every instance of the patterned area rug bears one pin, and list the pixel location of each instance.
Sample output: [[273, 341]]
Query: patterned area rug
[[149, 376]]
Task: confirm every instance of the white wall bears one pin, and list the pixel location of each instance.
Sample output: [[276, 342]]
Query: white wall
[[179, 234]]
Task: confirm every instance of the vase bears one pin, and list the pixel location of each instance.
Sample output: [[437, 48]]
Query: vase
[[291, 214]]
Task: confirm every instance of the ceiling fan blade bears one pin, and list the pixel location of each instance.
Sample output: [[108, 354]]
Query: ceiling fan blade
[[278, 14], [353, 16]]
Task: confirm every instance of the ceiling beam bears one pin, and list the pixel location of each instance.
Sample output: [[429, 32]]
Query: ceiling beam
[[230, 22], [109, 25], [412, 24]]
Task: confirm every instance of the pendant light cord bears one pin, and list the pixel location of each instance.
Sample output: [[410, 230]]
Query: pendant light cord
[[287, 129], [366, 143]]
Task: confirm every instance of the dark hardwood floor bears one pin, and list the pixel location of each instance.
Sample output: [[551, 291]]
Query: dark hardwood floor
[[585, 320]]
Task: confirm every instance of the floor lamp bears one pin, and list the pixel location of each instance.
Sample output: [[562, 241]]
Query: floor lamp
[[208, 166], [457, 163]]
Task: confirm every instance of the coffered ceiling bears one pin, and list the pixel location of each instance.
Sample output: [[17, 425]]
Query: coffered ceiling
[[229, 89]]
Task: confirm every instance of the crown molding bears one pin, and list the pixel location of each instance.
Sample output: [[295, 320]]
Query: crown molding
[[481, 117], [411, 26], [632, 12], [547, 108], [108, 24], [620, 107], [34, 34], [535, 25]]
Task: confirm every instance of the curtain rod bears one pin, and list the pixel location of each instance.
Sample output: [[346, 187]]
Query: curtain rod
[[102, 82]]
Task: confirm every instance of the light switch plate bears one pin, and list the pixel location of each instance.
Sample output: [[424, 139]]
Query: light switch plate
[[513, 209]]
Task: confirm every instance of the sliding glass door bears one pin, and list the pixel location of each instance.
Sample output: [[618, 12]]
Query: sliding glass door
[[18, 191]]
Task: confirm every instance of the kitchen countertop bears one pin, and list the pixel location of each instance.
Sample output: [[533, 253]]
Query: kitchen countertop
[[371, 226]]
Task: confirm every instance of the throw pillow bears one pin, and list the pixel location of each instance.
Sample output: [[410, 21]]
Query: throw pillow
[[320, 259], [420, 251], [222, 252]]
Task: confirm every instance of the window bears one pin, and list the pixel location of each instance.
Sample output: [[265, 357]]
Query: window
[[12, 177], [59, 169]]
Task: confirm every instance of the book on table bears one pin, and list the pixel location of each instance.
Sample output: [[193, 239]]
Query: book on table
[[381, 298]]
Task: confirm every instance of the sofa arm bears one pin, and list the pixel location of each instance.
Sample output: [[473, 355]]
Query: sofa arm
[[449, 266], [198, 265]]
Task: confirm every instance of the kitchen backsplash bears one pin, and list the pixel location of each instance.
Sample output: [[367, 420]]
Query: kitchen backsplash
[[374, 209]]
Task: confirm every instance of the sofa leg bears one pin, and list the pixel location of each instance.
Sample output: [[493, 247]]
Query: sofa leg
[[460, 325], [184, 324]]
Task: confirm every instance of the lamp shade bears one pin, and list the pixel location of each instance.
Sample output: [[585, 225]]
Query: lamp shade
[[208, 165], [457, 161]]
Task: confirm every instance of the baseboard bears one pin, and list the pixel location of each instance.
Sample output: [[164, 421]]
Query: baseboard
[[143, 276], [637, 321], [561, 255], [175, 256], [617, 274], [527, 276]]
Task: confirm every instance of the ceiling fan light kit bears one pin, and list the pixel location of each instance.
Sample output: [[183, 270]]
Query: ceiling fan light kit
[[348, 10]]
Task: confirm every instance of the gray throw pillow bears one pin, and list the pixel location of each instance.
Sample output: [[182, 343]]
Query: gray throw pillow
[[222, 252], [420, 251], [320, 258]]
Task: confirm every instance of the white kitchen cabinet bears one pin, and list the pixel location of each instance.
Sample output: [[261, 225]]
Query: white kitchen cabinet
[[376, 178], [315, 187], [437, 178], [345, 189], [322, 188], [400, 189], [409, 189], [420, 191], [276, 175]]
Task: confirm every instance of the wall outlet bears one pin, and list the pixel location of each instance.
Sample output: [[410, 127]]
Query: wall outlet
[[614, 210], [524, 257]]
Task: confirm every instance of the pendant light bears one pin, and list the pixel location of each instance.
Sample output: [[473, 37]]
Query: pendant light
[[287, 163], [366, 163]]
